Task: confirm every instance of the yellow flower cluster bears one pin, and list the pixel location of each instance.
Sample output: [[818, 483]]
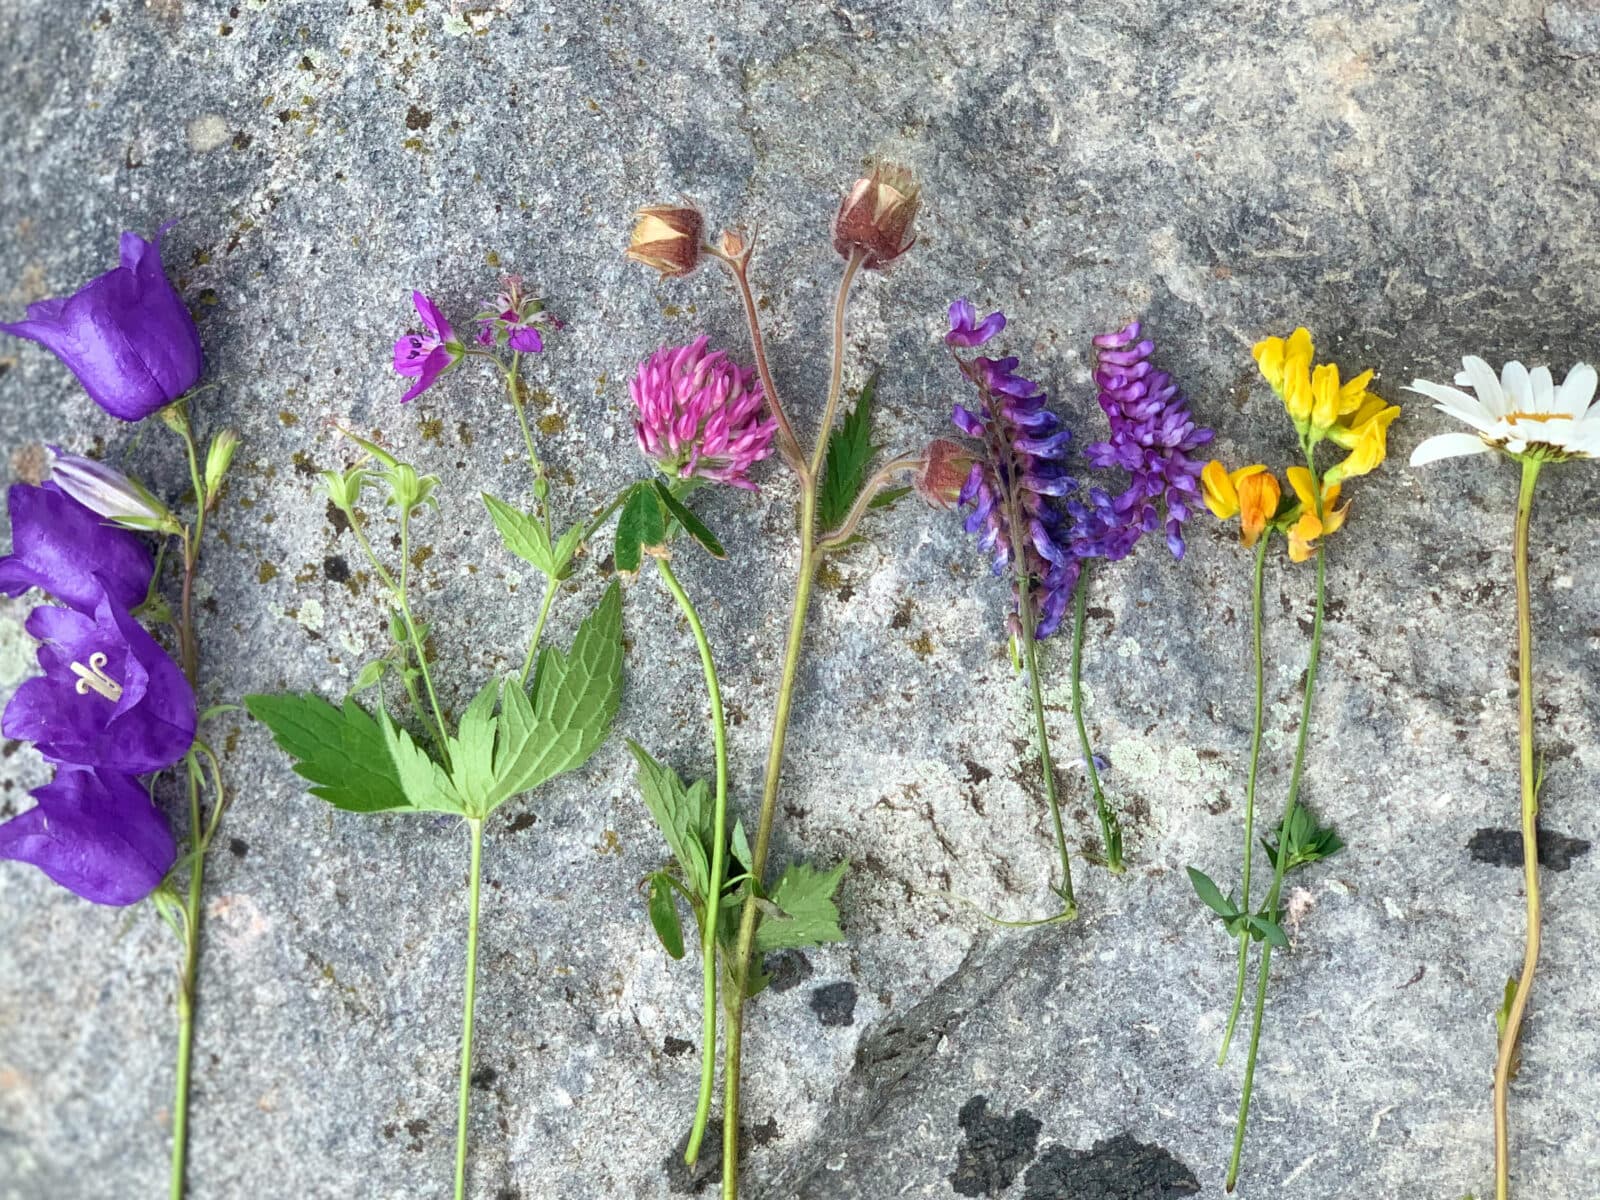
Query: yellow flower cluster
[[1322, 409]]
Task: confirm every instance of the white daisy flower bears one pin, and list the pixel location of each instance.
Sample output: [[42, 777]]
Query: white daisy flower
[[1520, 413]]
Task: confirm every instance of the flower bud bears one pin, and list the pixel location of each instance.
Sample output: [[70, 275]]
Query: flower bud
[[875, 219], [667, 239], [946, 467], [109, 493], [219, 457], [344, 488]]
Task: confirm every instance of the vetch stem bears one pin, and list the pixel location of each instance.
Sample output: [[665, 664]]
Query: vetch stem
[[713, 898], [1281, 859], [1249, 795], [474, 881], [1530, 836], [1110, 827], [1030, 662]]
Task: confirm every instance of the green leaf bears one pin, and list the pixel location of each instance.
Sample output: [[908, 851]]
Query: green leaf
[[800, 911], [1271, 931], [888, 496], [664, 915], [740, 845], [342, 751], [692, 525], [1211, 895], [640, 527], [472, 771], [566, 548], [423, 781], [575, 697], [370, 674], [682, 812], [845, 468], [523, 535]]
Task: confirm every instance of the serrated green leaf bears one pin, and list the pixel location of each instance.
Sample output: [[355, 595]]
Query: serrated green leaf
[[664, 916], [472, 771], [1211, 895], [681, 812], [523, 535], [845, 467], [800, 911], [342, 751], [692, 525], [574, 699], [641, 527], [424, 782], [566, 547]]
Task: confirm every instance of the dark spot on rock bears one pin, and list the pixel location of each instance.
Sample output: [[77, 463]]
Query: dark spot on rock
[[765, 1133], [336, 568], [835, 1003], [390, 1130], [417, 118], [684, 1180], [337, 519], [484, 1078], [1503, 848], [996, 1150], [902, 614], [238, 847], [523, 820], [674, 1046], [787, 969], [977, 774], [241, 140], [12, 745], [1119, 1169], [416, 1129], [508, 1193], [306, 64]]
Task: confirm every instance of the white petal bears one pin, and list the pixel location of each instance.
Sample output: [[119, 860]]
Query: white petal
[[1482, 378], [1447, 445], [1514, 381], [1544, 391], [1458, 404], [1576, 392]]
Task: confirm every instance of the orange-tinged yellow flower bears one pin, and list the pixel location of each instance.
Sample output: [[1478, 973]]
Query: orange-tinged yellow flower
[[1259, 494], [1220, 488], [1308, 527]]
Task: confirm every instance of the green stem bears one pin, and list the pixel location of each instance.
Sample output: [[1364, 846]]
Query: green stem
[[713, 897], [538, 629], [1249, 795], [186, 987], [402, 599], [474, 880], [1030, 662], [1530, 836], [1110, 827], [1281, 859]]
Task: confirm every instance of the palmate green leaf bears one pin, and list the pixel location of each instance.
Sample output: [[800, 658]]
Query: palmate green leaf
[[424, 782], [472, 773], [664, 915], [805, 913], [574, 700], [683, 814], [692, 525], [342, 751], [850, 449], [642, 526]]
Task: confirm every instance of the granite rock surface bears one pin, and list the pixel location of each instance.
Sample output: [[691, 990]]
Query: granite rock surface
[[1412, 180]]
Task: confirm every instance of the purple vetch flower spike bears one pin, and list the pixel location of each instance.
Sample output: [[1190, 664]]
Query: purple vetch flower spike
[[110, 697], [701, 414], [95, 833], [63, 548], [1152, 438], [967, 330], [126, 334], [426, 356]]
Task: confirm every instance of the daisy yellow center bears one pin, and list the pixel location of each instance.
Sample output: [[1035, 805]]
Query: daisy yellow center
[[1534, 416]]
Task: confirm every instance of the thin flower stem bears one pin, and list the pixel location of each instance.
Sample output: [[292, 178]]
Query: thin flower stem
[[836, 377], [186, 986], [1530, 836], [550, 589], [788, 444], [535, 464], [1110, 827], [1249, 794], [719, 835], [1030, 661], [1281, 859], [838, 537], [464, 1103], [402, 599]]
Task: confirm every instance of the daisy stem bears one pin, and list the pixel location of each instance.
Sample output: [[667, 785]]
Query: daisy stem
[[1110, 827], [1530, 836], [1249, 795], [1281, 859], [464, 1103], [1030, 661]]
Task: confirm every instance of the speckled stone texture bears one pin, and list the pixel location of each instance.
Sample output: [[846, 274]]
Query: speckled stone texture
[[1413, 180]]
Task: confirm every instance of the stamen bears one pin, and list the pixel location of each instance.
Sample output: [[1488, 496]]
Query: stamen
[[94, 677]]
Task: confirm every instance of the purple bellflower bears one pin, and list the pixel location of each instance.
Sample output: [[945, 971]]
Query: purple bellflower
[[95, 833], [110, 696], [63, 548], [126, 334], [1152, 438], [426, 356], [700, 414], [1016, 483]]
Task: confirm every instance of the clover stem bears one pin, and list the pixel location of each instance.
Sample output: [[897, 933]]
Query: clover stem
[[1110, 827], [1281, 858], [538, 629], [1249, 794], [1530, 836], [1030, 662], [186, 984], [719, 842], [474, 881]]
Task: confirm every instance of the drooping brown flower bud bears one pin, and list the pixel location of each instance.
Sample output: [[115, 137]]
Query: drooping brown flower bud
[[667, 239], [946, 466], [875, 218]]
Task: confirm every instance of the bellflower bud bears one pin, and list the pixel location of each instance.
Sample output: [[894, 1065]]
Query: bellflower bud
[[875, 218], [109, 493], [667, 239], [219, 457]]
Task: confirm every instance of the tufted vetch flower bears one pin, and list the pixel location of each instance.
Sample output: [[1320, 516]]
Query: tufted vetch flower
[[700, 414], [1520, 413], [426, 356], [126, 335]]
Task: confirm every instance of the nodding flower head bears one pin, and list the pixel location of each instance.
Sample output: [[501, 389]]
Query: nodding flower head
[[1016, 482], [668, 238], [875, 218], [700, 414], [426, 356]]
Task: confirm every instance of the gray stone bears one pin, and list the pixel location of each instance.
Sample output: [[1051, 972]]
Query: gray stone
[[1413, 181]]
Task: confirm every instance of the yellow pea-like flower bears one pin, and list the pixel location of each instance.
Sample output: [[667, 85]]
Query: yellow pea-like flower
[[1259, 494], [1219, 488]]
